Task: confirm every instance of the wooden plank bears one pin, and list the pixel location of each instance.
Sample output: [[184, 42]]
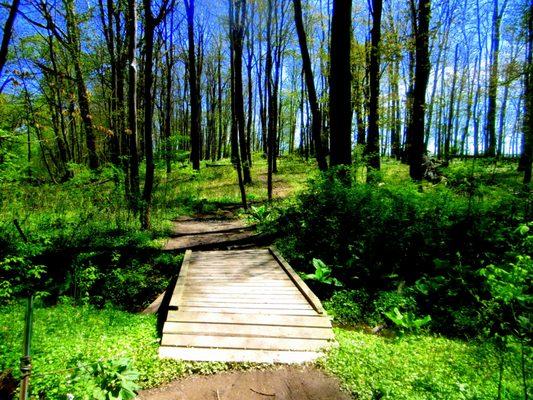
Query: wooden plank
[[240, 310], [242, 342], [237, 267], [308, 294], [278, 320], [242, 290], [154, 306], [246, 295], [248, 282], [180, 283], [245, 272], [233, 252], [301, 306], [240, 300], [238, 274], [234, 355], [247, 330]]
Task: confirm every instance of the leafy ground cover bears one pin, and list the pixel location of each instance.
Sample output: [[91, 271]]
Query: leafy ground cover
[[68, 340], [422, 367]]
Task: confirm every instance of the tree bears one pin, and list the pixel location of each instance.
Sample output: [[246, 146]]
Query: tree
[[372, 147], [340, 104], [493, 79], [194, 88], [316, 126], [527, 138], [6, 36], [150, 24], [133, 156], [71, 41], [415, 131], [237, 16], [237, 23]]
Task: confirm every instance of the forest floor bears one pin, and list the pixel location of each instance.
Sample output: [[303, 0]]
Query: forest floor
[[281, 383]]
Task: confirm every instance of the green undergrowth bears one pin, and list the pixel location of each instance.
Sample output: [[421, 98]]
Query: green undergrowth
[[422, 367], [66, 338]]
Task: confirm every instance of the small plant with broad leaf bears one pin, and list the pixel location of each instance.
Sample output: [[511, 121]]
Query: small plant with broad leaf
[[407, 322], [114, 379], [322, 274]]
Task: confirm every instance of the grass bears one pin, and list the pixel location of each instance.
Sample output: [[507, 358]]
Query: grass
[[421, 367], [65, 337], [369, 366]]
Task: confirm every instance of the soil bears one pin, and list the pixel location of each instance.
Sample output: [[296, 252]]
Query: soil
[[283, 383]]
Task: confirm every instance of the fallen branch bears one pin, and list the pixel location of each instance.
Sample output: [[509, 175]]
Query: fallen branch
[[263, 394]]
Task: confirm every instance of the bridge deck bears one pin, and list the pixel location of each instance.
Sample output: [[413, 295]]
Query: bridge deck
[[244, 306]]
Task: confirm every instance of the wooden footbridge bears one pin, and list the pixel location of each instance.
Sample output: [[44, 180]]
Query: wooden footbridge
[[243, 306]]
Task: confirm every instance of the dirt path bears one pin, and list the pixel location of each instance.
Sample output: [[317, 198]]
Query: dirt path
[[220, 230], [284, 383], [223, 230]]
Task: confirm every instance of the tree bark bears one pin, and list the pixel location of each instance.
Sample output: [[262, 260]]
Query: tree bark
[[415, 133], [340, 104], [7, 33], [193, 88], [526, 157], [133, 156], [372, 146], [490, 129], [316, 126], [237, 16]]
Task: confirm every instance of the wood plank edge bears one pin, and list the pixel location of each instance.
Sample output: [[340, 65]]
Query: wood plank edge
[[300, 284], [180, 282]]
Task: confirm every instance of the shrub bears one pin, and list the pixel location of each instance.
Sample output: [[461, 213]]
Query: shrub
[[386, 235], [347, 307]]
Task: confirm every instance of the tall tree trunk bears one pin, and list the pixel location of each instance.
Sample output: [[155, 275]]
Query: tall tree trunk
[[150, 24], [237, 36], [133, 156], [149, 28], [7, 33], [249, 64], [237, 15], [271, 99], [340, 103], [415, 134], [526, 157], [450, 118], [372, 146], [311, 90], [193, 88], [396, 118], [490, 129], [219, 102]]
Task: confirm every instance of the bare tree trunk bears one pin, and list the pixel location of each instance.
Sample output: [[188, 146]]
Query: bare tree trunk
[[237, 36], [193, 88], [415, 134], [372, 146], [237, 16], [526, 157], [490, 129], [449, 125], [311, 90], [150, 25], [7, 33], [271, 99], [340, 112], [133, 159]]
